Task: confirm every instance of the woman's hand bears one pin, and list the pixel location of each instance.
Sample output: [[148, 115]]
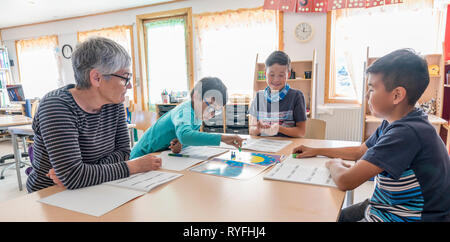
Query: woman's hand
[[52, 175], [144, 163]]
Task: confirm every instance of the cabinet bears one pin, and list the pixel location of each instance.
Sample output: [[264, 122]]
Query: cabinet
[[161, 109], [232, 120]]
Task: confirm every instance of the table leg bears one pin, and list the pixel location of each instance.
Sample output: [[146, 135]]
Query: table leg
[[350, 197], [17, 157], [132, 137]]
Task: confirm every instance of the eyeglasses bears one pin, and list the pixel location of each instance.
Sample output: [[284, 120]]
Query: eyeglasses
[[214, 109], [127, 78]]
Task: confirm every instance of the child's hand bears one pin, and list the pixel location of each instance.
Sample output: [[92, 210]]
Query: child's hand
[[233, 140], [263, 125], [175, 146], [271, 130], [304, 151]]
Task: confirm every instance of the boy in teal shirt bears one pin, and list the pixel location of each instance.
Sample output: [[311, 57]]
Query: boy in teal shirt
[[180, 126]]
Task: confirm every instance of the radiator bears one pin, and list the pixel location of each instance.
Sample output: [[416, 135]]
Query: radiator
[[343, 123]]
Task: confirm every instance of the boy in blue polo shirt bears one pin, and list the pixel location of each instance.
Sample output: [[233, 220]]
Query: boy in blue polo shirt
[[408, 158], [278, 110]]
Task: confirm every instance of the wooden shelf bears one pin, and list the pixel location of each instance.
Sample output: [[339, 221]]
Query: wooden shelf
[[299, 79], [289, 80], [432, 118]]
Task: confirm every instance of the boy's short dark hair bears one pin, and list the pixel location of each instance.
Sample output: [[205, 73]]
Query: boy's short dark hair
[[403, 68], [280, 58], [211, 84]]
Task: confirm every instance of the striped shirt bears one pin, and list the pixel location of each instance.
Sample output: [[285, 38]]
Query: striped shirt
[[84, 149]]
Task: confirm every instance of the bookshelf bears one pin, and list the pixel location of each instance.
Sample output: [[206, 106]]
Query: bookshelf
[[306, 84], [434, 91], [6, 77]]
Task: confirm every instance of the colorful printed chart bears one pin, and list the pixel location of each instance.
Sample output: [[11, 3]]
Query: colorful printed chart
[[229, 168], [252, 158]]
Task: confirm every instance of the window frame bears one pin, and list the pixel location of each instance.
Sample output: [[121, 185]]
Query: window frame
[[140, 20], [330, 96]]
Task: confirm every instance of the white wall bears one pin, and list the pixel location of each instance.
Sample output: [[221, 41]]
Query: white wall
[[67, 32]]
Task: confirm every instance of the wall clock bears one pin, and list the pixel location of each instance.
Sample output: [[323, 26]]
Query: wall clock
[[67, 51], [303, 32]]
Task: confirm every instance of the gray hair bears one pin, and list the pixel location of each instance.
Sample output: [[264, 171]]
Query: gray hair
[[98, 53]]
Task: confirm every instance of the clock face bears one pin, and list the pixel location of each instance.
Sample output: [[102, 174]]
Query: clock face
[[303, 32], [67, 51]]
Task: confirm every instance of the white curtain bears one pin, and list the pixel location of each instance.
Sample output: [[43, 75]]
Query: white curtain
[[39, 65], [415, 24], [228, 43]]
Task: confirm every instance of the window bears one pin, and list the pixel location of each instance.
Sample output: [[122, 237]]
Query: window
[[167, 67], [413, 24], [166, 55], [229, 41], [123, 35], [39, 70]]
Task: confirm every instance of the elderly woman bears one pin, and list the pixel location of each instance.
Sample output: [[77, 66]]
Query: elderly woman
[[81, 136]]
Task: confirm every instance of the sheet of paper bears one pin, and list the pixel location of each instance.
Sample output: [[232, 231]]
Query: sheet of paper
[[307, 170], [226, 146], [94, 200], [265, 145], [202, 151], [100, 199], [175, 163], [145, 181]]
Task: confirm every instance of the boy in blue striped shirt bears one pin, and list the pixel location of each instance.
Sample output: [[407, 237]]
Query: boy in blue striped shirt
[[408, 158]]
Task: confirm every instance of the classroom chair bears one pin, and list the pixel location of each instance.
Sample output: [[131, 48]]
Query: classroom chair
[[143, 120], [315, 129]]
